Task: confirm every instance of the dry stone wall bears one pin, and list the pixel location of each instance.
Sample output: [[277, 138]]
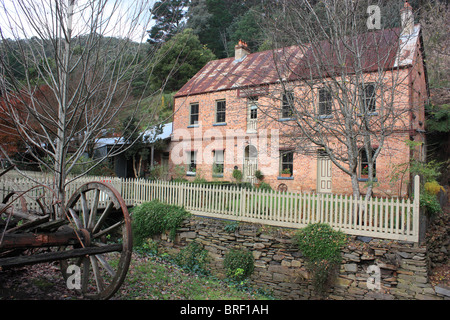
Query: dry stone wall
[[370, 269]]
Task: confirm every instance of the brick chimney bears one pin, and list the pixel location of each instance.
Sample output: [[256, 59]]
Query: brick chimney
[[241, 50], [407, 19]]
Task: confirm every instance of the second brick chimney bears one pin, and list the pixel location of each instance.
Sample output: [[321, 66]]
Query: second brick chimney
[[407, 19]]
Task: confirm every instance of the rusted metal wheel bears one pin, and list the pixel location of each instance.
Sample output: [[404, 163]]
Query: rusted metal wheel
[[282, 187], [99, 214]]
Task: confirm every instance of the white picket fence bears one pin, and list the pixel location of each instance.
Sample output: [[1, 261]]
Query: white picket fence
[[35, 190], [388, 218]]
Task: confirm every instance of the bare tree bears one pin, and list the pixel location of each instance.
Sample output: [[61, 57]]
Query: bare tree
[[342, 80], [78, 59]]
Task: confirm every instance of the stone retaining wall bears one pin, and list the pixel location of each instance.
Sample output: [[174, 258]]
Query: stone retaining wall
[[280, 266]]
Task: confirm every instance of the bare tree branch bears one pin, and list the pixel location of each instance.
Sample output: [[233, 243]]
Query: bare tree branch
[[346, 86], [79, 59]]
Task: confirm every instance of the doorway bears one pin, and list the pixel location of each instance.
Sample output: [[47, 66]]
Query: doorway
[[250, 163], [323, 172]]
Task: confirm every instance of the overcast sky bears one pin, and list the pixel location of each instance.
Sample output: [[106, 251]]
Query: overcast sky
[[17, 14]]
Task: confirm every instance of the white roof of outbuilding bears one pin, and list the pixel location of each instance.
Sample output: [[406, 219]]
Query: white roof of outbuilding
[[150, 133]]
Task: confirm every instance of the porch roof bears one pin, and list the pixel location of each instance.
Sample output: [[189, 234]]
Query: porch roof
[[150, 133]]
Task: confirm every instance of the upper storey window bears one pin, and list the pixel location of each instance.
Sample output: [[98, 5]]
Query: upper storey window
[[287, 105], [220, 111], [193, 115], [368, 101]]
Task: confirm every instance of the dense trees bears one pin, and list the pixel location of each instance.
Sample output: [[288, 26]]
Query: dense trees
[[434, 18], [219, 24], [179, 59], [188, 34]]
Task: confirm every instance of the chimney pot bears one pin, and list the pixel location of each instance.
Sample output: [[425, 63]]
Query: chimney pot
[[241, 50]]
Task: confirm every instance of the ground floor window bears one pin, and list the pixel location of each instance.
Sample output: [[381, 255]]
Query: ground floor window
[[192, 161], [286, 163], [364, 164], [218, 163]]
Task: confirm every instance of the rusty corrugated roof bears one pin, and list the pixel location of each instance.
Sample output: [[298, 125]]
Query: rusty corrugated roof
[[255, 69], [381, 48]]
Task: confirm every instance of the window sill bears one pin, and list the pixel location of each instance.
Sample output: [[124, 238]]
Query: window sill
[[368, 114], [367, 179], [219, 124], [218, 175], [193, 126], [285, 178], [287, 119], [190, 174], [325, 116]]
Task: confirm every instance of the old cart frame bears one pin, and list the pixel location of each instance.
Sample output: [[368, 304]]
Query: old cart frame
[[93, 237]]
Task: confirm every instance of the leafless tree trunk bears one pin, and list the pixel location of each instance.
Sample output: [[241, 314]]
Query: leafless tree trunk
[[79, 59], [344, 81]]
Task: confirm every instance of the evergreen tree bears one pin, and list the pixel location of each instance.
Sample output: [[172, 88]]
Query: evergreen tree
[[180, 59], [247, 28], [169, 16], [211, 20]]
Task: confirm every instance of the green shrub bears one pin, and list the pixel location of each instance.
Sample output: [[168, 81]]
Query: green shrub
[[153, 218], [231, 226], [265, 186], [149, 246], [193, 258], [433, 187], [239, 264], [259, 175], [430, 204], [321, 246], [237, 174]]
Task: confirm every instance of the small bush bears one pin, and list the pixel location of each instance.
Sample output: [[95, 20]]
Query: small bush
[[265, 186], [239, 264], [149, 246], [153, 218], [231, 226], [430, 204], [433, 187], [321, 245], [259, 175], [237, 174], [193, 258], [319, 241]]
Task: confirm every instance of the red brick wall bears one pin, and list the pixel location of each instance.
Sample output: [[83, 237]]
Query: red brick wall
[[198, 138]]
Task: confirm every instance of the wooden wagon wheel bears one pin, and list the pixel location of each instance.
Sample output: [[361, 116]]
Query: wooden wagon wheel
[[282, 187], [108, 227]]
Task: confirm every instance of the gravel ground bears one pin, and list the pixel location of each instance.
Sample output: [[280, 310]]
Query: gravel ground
[[35, 282]]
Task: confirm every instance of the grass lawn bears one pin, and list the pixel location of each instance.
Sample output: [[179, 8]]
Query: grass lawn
[[153, 278]]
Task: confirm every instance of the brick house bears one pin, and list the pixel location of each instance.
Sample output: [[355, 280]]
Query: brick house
[[234, 114]]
